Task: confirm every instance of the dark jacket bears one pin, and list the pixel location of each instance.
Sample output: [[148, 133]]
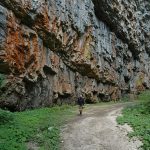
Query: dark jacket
[[80, 101]]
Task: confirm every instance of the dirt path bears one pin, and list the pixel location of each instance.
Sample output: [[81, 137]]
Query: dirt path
[[97, 129]]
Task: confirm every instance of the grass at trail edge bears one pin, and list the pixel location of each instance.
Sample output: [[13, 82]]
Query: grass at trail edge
[[41, 127], [138, 116]]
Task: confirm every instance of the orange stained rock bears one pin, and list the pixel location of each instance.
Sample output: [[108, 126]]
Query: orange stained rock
[[43, 57], [14, 52], [23, 52], [54, 27], [36, 53], [66, 87], [115, 94], [139, 82], [87, 39], [42, 19], [55, 60], [113, 45]]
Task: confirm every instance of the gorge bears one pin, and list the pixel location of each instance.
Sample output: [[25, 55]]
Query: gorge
[[51, 51]]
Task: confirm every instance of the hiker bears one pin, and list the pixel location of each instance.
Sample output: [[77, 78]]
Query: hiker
[[81, 104]]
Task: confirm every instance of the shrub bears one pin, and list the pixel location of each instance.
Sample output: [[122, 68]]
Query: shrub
[[5, 117]]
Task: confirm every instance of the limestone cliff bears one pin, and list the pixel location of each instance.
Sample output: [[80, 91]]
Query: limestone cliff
[[53, 50]]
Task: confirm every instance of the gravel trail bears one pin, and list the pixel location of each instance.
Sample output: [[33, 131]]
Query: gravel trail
[[97, 129]]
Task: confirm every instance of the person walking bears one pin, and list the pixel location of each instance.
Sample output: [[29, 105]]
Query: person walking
[[81, 103]]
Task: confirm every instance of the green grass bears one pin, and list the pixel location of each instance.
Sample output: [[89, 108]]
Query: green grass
[[40, 126], [138, 116]]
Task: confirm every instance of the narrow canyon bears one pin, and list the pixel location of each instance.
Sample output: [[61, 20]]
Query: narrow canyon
[[51, 51]]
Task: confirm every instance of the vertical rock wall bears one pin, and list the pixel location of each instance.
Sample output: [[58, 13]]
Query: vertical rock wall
[[52, 51]]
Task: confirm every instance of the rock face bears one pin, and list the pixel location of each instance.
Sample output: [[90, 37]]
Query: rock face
[[53, 50]]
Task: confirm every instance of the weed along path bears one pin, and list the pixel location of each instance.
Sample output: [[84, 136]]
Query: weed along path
[[97, 129]]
